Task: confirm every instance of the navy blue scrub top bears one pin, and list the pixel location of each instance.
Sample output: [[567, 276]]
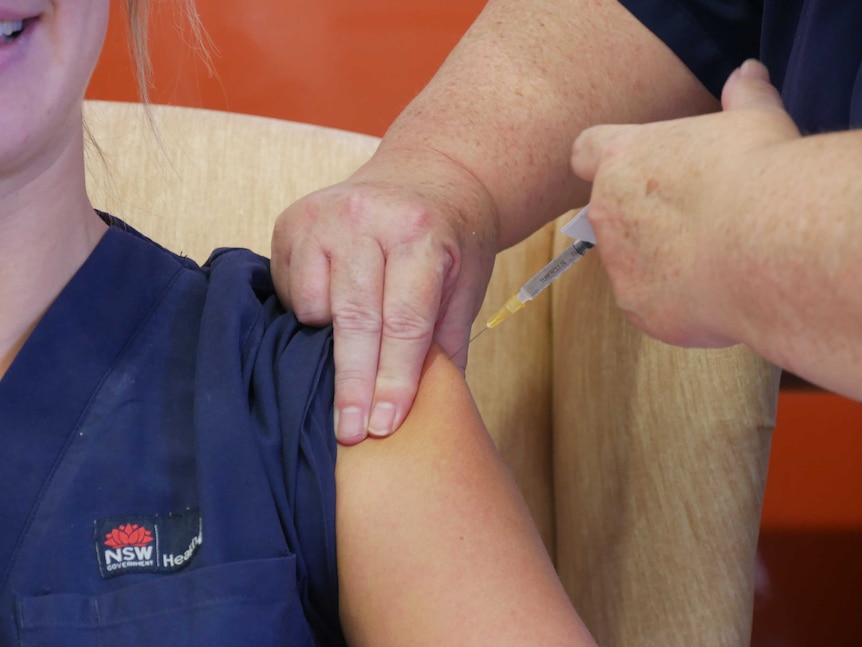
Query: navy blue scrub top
[[812, 48], [168, 461]]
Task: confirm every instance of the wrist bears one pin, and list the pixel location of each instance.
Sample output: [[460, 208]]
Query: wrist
[[437, 178], [758, 249]]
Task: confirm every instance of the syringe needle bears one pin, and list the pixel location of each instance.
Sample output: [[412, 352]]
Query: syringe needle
[[470, 341], [473, 338], [509, 308]]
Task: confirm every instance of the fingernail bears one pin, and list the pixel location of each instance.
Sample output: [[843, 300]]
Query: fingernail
[[349, 424], [382, 419], [754, 69]]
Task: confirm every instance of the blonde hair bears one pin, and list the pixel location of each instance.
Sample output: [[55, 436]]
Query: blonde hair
[[137, 23], [138, 19]]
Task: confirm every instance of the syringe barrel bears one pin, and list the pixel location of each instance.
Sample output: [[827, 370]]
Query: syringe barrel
[[552, 270]]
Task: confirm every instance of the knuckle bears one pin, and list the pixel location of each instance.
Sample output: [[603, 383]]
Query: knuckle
[[357, 208], [352, 381], [417, 219], [438, 258], [354, 318], [292, 220], [355, 205], [406, 324]]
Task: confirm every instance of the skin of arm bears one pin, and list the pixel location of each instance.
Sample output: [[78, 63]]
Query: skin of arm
[[402, 251], [519, 87], [435, 545], [733, 228]]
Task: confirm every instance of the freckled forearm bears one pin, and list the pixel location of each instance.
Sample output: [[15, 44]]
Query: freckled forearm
[[525, 80], [797, 265]]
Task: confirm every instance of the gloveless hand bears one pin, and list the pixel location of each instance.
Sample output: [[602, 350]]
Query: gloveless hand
[[397, 255], [675, 208]]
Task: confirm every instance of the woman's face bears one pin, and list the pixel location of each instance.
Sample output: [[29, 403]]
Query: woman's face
[[48, 49]]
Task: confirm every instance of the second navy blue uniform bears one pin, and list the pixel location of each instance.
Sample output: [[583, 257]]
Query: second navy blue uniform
[[812, 49]]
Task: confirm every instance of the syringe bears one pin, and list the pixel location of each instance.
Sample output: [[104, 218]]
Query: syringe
[[547, 275], [578, 228]]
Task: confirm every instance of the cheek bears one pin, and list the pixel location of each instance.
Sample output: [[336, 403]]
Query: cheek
[[98, 28], [88, 26]]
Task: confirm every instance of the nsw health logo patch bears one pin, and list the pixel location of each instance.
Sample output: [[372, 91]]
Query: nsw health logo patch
[[147, 544]]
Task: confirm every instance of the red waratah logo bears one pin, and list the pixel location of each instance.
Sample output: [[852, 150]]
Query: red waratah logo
[[129, 535]]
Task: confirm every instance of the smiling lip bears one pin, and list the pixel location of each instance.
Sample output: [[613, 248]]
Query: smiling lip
[[10, 15]]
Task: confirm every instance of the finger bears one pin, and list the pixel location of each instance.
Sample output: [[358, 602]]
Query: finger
[[748, 88], [300, 269], [279, 254], [357, 295], [308, 285], [592, 146], [411, 302], [455, 324]]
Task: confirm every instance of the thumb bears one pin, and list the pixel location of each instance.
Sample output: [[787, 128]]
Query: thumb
[[592, 145], [748, 88]]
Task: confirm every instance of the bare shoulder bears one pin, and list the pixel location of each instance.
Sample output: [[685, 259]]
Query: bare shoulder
[[435, 545], [443, 404]]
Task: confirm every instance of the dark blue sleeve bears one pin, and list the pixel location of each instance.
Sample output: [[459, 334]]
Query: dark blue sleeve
[[712, 37], [297, 361], [289, 373]]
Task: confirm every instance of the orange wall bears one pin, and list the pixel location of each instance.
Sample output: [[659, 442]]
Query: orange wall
[[351, 64], [815, 471]]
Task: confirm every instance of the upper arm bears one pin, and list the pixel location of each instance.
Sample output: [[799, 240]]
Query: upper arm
[[435, 545]]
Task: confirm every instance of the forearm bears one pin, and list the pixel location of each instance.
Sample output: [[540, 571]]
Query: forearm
[[795, 261], [524, 81]]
